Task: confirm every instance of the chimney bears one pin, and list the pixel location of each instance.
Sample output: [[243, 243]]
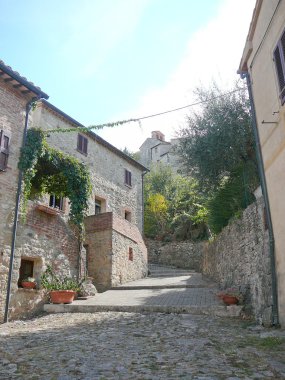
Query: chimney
[[157, 135]]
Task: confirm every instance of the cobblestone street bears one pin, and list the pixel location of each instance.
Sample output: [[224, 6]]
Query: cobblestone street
[[139, 346], [117, 344]]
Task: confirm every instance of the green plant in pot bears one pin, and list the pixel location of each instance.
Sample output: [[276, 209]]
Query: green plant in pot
[[61, 289]]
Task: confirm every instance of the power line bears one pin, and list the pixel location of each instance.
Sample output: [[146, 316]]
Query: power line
[[138, 119], [189, 105]]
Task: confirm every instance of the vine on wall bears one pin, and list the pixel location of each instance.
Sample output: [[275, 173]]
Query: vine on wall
[[48, 170]]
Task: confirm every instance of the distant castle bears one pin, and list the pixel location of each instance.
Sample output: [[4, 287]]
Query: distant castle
[[155, 149]]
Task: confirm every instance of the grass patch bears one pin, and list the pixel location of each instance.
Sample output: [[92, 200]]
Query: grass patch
[[268, 343]]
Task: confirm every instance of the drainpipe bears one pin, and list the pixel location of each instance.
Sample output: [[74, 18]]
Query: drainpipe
[[15, 225], [275, 316], [143, 174]]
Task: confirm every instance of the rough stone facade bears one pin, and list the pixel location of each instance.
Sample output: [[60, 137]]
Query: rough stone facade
[[48, 239], [239, 256], [45, 240], [12, 118], [106, 166]]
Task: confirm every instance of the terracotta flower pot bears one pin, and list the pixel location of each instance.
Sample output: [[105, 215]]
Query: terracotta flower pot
[[230, 300], [62, 296], [28, 284]]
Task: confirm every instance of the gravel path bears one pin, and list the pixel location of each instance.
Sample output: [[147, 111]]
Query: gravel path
[[116, 345]]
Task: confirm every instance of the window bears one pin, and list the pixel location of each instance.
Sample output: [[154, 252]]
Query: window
[[128, 178], [98, 206], [279, 59], [128, 216], [26, 270], [131, 254], [56, 202], [82, 143], [4, 149]]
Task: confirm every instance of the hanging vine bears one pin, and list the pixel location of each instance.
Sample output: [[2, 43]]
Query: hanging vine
[[48, 170]]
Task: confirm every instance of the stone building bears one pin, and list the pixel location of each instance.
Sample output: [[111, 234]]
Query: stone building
[[156, 149], [114, 248], [263, 63]]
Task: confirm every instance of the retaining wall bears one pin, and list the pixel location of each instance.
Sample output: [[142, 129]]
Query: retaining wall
[[238, 256]]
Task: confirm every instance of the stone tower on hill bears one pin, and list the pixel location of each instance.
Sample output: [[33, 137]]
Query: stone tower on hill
[[155, 149]]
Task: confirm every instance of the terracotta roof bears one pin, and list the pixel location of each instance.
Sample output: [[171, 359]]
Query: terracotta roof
[[94, 136], [19, 82]]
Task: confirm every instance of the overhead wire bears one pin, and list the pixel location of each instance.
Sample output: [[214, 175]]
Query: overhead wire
[[139, 119]]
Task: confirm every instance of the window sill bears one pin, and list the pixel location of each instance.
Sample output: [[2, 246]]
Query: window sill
[[129, 186], [29, 290], [84, 154], [47, 209]]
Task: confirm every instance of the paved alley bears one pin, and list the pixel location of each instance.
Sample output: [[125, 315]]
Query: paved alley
[[113, 346], [122, 334]]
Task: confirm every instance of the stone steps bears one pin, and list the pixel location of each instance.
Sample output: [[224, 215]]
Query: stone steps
[[166, 291], [140, 287], [76, 308]]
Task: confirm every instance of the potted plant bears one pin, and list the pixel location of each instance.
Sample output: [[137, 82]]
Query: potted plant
[[61, 290], [231, 296], [28, 283]]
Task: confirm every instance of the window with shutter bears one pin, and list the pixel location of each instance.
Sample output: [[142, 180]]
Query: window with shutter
[[279, 59], [4, 149], [82, 144], [128, 178]]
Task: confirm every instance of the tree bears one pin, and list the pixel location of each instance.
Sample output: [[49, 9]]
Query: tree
[[218, 137], [155, 214], [217, 149], [168, 198], [133, 155]]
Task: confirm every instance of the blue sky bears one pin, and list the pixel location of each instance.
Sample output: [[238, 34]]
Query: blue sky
[[102, 60]]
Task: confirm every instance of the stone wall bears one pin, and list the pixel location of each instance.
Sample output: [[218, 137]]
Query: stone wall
[[184, 254], [127, 266], [239, 256], [109, 239], [45, 240], [12, 117]]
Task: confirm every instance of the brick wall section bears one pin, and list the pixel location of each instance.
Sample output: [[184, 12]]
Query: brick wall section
[[239, 256], [12, 116], [99, 250], [109, 238]]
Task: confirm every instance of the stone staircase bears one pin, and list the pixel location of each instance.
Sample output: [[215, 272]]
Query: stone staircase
[[165, 290]]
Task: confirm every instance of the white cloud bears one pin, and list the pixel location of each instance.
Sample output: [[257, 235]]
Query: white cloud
[[213, 53]]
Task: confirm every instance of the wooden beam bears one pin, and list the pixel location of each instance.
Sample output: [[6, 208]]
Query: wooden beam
[[17, 85]]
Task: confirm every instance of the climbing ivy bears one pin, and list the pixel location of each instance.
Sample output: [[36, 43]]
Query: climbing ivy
[[48, 170]]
